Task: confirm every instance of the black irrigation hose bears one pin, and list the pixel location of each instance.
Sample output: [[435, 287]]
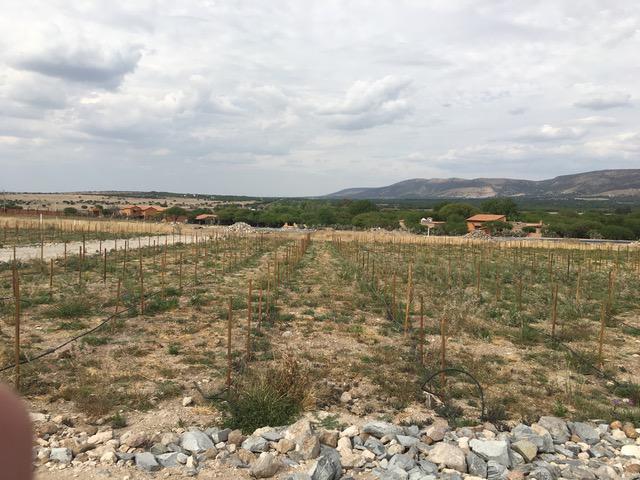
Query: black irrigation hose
[[581, 357], [97, 327], [464, 372], [630, 327]]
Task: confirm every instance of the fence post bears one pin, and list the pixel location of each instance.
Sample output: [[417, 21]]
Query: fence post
[[421, 350], [249, 320], [229, 342], [408, 306], [603, 317]]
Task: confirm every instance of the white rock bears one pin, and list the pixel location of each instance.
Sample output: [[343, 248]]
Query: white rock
[[38, 417], [186, 401], [100, 437], [351, 431], [344, 444], [630, 451], [43, 453], [345, 397], [109, 457], [368, 455], [618, 435]]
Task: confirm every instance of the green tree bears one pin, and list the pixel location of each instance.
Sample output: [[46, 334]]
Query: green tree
[[500, 206], [69, 211], [362, 206], [455, 225], [463, 210]]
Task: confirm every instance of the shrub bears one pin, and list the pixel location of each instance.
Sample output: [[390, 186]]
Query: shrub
[[158, 305], [95, 341], [273, 396], [70, 308]]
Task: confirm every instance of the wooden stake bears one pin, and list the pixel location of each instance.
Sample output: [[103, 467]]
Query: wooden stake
[[394, 309], [259, 309], [80, 265], [421, 347], [104, 267], [229, 317], [16, 294], [51, 277], [554, 310], [141, 287], [408, 306], [443, 349], [249, 320], [603, 317]]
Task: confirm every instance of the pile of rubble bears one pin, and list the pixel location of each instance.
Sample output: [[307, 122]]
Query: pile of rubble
[[239, 227], [549, 449], [478, 235]]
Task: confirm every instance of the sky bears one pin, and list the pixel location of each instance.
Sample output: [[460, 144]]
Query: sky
[[302, 97]]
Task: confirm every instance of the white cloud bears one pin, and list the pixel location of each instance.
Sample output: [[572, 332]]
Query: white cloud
[[299, 98], [598, 121], [367, 104], [548, 133], [606, 101]]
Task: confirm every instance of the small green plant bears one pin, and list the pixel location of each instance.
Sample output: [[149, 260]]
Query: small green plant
[[559, 409], [72, 325], [330, 422], [274, 396], [70, 308], [158, 305], [118, 421], [95, 341], [173, 349]]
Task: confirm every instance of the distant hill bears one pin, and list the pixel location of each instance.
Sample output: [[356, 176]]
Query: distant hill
[[603, 183]]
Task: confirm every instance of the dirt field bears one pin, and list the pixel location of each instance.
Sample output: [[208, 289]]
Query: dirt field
[[59, 201], [339, 307]]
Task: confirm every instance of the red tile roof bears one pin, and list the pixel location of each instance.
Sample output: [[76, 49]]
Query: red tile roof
[[486, 217]]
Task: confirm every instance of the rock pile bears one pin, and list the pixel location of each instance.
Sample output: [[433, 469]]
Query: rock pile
[[478, 235], [239, 227], [547, 450]]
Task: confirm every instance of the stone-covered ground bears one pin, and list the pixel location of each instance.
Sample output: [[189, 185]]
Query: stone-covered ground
[[547, 449]]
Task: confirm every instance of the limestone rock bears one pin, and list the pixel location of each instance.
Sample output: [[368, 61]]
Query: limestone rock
[[556, 427], [496, 450], [380, 429], [255, 444], [527, 449], [61, 455], [328, 466], [134, 439], [450, 456], [147, 462], [196, 441], [265, 466], [329, 438]]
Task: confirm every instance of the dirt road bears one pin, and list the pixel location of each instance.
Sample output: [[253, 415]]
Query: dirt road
[[56, 250]]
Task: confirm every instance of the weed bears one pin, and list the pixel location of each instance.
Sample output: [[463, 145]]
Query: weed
[[118, 421], [95, 341], [70, 308], [273, 396]]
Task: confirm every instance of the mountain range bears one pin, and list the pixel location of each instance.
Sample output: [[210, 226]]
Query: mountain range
[[621, 183]]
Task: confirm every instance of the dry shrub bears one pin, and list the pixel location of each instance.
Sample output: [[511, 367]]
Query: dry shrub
[[272, 396]]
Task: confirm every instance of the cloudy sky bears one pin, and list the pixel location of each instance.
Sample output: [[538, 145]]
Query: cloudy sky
[[304, 98]]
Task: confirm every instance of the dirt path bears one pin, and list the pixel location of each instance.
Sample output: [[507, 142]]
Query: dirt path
[[56, 250]]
